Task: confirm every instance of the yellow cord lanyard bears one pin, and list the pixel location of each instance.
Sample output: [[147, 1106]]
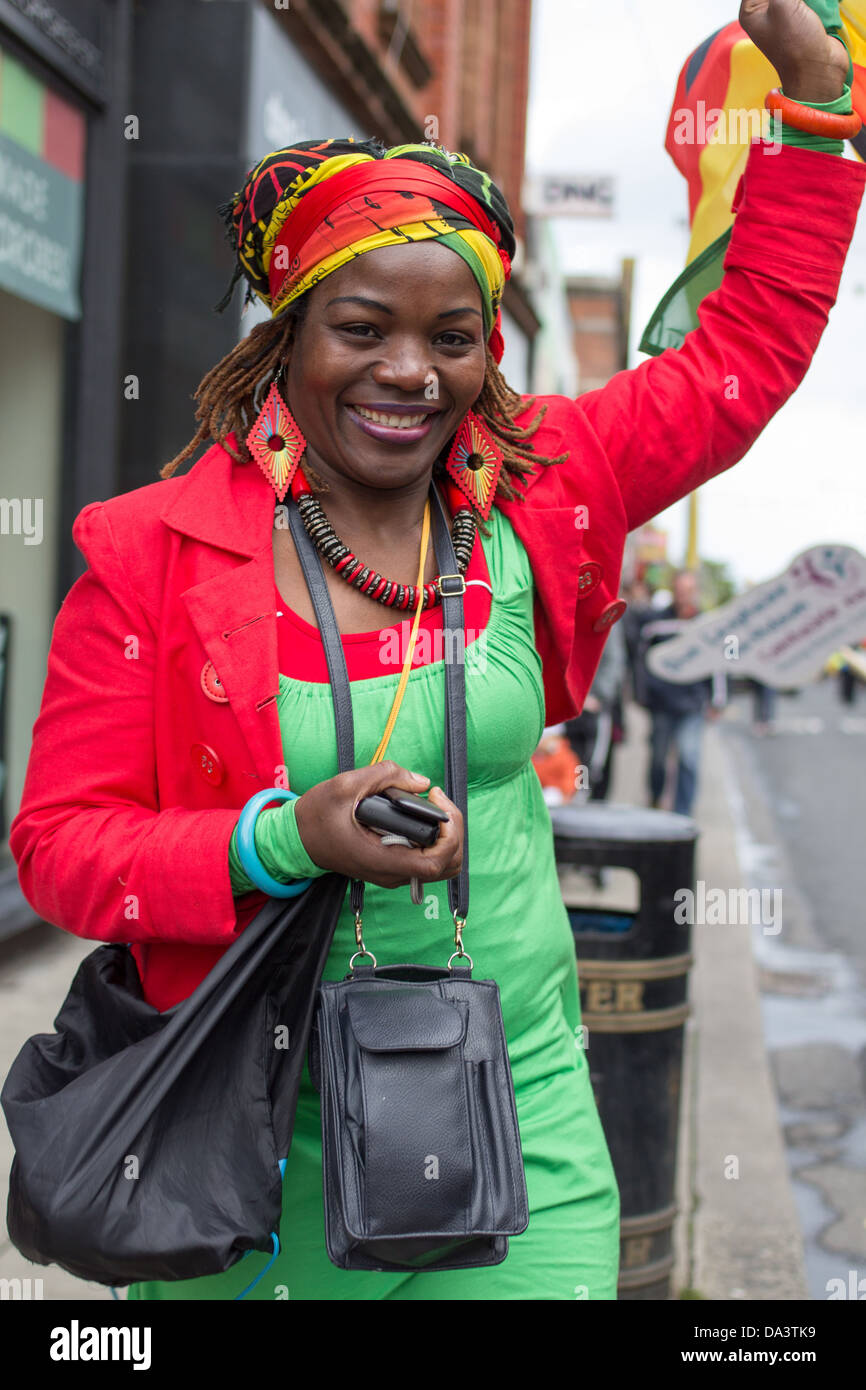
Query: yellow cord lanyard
[[404, 675], [417, 892]]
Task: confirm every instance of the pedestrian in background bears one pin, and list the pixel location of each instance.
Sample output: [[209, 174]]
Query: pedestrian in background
[[763, 707], [677, 711], [591, 734], [639, 611]]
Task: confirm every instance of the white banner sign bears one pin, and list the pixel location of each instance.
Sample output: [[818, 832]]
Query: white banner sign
[[781, 632], [569, 195]]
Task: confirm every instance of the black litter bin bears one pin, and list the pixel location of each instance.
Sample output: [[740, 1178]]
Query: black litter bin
[[633, 968]]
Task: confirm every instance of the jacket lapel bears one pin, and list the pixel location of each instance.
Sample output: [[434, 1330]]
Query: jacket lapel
[[230, 506]]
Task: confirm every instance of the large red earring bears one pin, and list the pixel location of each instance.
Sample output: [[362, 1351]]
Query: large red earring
[[276, 443], [475, 463]]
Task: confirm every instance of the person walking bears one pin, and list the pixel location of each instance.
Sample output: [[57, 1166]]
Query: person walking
[[592, 734], [186, 673], [677, 711], [764, 699]]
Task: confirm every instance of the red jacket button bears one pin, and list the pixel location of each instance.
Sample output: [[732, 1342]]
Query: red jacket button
[[609, 615], [208, 763], [212, 685], [588, 578]]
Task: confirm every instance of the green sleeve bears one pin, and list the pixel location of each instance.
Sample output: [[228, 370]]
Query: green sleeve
[[789, 136], [279, 847]]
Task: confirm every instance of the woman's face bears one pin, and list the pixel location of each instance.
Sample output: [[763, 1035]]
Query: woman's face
[[398, 332]]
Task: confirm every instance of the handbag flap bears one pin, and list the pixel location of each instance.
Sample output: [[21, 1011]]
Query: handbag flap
[[403, 1020]]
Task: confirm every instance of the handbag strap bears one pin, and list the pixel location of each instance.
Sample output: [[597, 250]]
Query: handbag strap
[[456, 771], [311, 563], [456, 786]]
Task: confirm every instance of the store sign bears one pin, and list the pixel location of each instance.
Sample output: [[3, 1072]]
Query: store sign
[[781, 632], [41, 191], [569, 195]]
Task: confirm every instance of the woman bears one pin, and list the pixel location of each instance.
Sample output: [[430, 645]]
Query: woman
[[186, 674]]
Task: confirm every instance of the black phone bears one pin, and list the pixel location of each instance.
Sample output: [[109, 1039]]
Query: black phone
[[396, 812]]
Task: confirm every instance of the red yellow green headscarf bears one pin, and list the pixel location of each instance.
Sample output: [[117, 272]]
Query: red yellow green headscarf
[[307, 210]]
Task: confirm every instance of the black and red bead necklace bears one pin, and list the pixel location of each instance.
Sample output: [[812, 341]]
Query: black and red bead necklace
[[360, 576]]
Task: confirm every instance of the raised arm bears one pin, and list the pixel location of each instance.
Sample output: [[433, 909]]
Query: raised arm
[[677, 420]]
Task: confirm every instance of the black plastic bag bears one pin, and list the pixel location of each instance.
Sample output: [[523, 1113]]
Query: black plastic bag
[[148, 1144]]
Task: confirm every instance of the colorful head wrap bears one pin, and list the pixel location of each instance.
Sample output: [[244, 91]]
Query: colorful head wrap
[[307, 210]]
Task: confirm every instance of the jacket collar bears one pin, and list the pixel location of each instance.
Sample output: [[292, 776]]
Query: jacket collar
[[224, 503]]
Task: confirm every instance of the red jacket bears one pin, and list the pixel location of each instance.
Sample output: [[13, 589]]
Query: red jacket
[[136, 776]]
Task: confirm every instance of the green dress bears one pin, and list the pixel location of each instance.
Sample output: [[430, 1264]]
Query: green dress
[[517, 933]]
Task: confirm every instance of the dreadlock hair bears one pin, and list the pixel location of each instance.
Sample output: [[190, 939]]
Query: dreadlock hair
[[227, 402]]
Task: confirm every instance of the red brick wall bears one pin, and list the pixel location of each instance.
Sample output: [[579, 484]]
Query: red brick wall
[[364, 16], [598, 315], [440, 29], [479, 53]]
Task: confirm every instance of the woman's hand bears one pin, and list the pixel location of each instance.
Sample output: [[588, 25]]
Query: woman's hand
[[812, 65], [335, 840]]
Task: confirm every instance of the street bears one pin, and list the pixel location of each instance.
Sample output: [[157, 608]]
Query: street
[[798, 798]]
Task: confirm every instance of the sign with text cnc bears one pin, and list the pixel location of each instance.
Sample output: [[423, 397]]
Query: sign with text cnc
[[569, 195]]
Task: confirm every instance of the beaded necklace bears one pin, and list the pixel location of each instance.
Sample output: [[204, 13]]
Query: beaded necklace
[[367, 580]]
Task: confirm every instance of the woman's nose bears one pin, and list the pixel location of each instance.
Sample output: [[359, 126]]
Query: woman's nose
[[405, 364]]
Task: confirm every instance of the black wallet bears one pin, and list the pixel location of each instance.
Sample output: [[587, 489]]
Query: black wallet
[[398, 812]]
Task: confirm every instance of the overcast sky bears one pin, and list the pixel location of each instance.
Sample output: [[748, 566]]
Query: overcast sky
[[603, 79]]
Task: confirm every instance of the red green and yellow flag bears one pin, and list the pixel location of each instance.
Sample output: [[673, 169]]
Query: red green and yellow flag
[[718, 109]]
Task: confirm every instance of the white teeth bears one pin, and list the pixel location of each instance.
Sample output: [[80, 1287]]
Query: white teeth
[[399, 422]]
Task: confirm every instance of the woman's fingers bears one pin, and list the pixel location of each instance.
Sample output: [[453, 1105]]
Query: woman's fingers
[[398, 864], [366, 781], [336, 840], [812, 64]]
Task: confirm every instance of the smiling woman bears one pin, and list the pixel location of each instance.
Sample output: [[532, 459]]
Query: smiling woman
[[373, 390], [391, 346]]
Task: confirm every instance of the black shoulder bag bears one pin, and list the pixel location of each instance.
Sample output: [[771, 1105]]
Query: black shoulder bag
[[151, 1145], [422, 1165]]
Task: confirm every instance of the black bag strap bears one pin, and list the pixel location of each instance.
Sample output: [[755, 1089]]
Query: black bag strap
[[453, 587], [321, 600]]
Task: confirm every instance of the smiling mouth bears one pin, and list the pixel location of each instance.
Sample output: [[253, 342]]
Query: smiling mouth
[[393, 421]]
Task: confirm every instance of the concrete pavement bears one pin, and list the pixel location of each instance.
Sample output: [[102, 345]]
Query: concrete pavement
[[737, 1235]]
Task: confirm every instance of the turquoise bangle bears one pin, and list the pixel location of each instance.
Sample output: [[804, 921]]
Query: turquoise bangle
[[246, 845]]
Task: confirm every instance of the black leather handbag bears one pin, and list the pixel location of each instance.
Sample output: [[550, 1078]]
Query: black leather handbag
[[422, 1164], [151, 1145]]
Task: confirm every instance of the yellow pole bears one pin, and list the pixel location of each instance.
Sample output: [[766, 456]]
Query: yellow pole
[[692, 545]]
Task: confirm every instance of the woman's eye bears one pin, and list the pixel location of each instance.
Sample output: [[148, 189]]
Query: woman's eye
[[367, 330]]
